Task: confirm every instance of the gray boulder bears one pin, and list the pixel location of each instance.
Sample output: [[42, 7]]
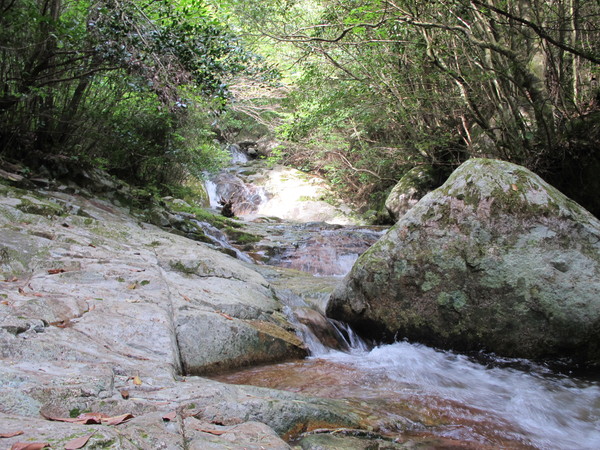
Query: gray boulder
[[409, 190], [495, 259]]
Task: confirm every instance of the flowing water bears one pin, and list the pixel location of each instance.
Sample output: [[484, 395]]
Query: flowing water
[[405, 391], [408, 390]]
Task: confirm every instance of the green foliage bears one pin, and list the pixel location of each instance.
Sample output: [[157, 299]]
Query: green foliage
[[129, 86]]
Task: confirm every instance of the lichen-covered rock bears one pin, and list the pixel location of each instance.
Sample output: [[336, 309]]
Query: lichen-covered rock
[[409, 190], [495, 259]]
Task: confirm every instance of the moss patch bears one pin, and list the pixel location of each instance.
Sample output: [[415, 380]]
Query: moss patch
[[202, 215], [241, 237], [41, 208]]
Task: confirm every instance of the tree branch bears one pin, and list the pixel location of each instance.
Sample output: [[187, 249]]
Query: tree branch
[[540, 32]]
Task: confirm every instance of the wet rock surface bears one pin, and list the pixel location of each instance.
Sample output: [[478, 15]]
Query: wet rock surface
[[318, 248], [495, 259]]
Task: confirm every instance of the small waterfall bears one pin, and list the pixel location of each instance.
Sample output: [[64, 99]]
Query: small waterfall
[[354, 341], [228, 186], [320, 334], [237, 155], [211, 191], [246, 198]]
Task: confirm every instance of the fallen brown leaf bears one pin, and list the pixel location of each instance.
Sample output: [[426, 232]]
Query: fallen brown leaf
[[514, 187], [227, 316], [13, 434], [170, 416], [117, 419], [29, 445], [22, 291], [91, 245], [55, 271], [5, 302], [137, 380], [61, 323], [78, 442], [82, 419], [209, 430], [186, 298], [132, 286], [125, 394], [91, 419]]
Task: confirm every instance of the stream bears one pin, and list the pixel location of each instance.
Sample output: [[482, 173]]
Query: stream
[[409, 392]]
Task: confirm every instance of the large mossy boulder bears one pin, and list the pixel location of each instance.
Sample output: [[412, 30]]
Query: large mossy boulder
[[495, 259]]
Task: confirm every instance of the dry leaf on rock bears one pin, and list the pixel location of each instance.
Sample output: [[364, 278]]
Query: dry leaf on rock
[[209, 430], [55, 271], [91, 419], [82, 419], [61, 323], [170, 416], [29, 445], [117, 420], [137, 380], [227, 316], [78, 442], [9, 435]]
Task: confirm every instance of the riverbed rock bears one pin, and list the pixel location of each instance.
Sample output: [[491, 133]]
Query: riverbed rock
[[102, 313], [415, 183], [495, 259], [315, 247]]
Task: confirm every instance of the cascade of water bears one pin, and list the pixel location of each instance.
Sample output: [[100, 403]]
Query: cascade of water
[[354, 341], [315, 347], [237, 155], [246, 198], [211, 191]]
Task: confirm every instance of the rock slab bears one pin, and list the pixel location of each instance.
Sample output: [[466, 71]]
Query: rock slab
[[100, 313], [495, 259]]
